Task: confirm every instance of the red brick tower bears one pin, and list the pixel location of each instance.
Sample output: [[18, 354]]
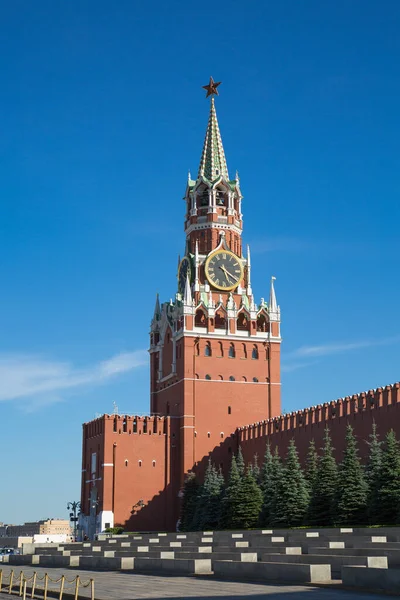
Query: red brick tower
[[215, 353], [214, 360]]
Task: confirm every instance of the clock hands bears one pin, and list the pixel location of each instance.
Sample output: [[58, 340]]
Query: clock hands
[[224, 269]]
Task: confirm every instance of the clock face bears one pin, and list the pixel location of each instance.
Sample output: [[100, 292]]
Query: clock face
[[224, 270], [185, 268]]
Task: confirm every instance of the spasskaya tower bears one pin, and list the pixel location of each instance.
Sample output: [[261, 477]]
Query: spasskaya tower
[[215, 351], [214, 366]]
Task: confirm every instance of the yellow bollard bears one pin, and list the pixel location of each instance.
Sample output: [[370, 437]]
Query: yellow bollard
[[11, 580], [61, 586], [21, 583], [1, 579], [46, 582], [24, 594], [33, 584], [92, 589], [76, 588]]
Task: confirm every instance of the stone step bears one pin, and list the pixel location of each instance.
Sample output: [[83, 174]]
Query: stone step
[[278, 572], [373, 580], [336, 562]]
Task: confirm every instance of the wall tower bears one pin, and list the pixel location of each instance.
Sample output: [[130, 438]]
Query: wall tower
[[215, 352]]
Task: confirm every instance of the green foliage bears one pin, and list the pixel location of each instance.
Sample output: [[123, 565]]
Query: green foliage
[[322, 508], [114, 530], [352, 488], [374, 476], [252, 500], [311, 466], [208, 505], [240, 462], [292, 492], [271, 473], [230, 501], [389, 492], [189, 502]]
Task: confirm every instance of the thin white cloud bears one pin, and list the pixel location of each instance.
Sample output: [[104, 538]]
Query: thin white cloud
[[27, 376], [340, 347]]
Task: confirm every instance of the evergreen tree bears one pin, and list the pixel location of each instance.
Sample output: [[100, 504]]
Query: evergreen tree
[[189, 500], [208, 506], [252, 500], [311, 466], [322, 508], [242, 502], [292, 492], [352, 488], [240, 462], [389, 493], [231, 499], [256, 470], [271, 473], [374, 476]]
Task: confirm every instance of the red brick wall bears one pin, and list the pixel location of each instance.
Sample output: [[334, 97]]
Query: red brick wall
[[361, 410]]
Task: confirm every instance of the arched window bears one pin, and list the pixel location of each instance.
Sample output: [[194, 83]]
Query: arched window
[[220, 377], [244, 350], [229, 410], [208, 377], [243, 322], [231, 378], [255, 379], [232, 352], [207, 349], [262, 323], [244, 378], [220, 320], [200, 319], [221, 349], [254, 353]]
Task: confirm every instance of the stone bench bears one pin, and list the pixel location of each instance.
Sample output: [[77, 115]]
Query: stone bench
[[336, 562], [175, 566], [387, 580], [279, 572]]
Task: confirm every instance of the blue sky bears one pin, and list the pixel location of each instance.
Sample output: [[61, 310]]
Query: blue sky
[[102, 116]]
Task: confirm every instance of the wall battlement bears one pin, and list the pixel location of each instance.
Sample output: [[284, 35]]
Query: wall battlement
[[325, 413], [131, 424]]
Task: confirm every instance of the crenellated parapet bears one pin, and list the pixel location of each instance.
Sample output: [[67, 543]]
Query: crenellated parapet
[[324, 414], [130, 424]]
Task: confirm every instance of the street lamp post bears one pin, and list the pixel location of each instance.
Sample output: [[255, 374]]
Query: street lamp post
[[75, 508]]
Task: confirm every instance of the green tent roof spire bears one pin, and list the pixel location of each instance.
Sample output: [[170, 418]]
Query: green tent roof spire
[[213, 161]]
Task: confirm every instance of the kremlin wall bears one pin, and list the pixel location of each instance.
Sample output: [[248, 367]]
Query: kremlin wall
[[214, 374]]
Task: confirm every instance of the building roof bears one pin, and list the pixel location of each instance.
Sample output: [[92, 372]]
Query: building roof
[[213, 162]]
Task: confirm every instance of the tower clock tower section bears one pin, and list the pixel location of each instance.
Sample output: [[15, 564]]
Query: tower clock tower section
[[215, 351]]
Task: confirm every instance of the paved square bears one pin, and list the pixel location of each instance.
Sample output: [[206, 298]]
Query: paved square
[[131, 586]]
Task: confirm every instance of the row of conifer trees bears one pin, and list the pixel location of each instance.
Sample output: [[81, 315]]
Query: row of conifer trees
[[284, 494]]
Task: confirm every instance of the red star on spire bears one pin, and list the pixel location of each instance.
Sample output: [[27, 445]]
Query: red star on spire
[[212, 87]]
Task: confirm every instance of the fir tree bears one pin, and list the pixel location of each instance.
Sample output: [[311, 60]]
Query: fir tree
[[292, 492], [389, 493], [272, 472], [208, 506], [240, 462], [189, 500], [311, 466], [352, 487], [374, 476], [230, 501], [242, 501], [322, 508], [256, 470], [252, 501]]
